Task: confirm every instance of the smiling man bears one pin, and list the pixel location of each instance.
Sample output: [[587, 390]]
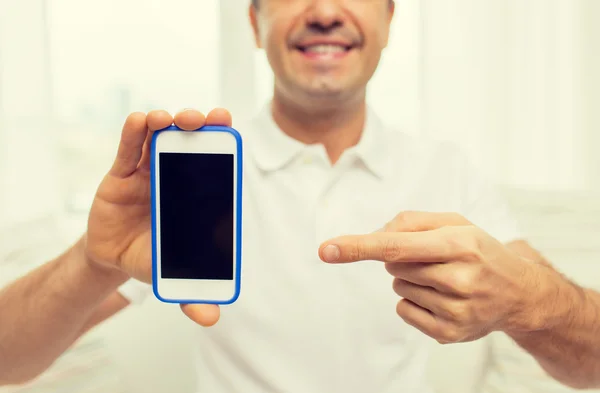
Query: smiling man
[[320, 164]]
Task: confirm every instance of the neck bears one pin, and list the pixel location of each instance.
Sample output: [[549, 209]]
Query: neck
[[337, 127]]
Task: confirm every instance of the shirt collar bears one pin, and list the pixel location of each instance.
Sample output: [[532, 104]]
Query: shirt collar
[[373, 147], [272, 149]]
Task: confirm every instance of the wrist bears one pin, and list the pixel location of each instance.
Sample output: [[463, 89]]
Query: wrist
[[78, 281], [104, 272], [551, 301]]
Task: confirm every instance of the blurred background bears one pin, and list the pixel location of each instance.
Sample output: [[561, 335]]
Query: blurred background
[[516, 83]]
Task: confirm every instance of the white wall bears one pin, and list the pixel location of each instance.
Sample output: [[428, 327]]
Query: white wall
[[502, 78], [465, 78], [28, 171], [590, 32], [238, 87]]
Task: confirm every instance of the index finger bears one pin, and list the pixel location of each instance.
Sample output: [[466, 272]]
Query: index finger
[[389, 247], [156, 120]]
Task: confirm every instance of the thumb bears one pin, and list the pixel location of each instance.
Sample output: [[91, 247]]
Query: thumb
[[203, 314]]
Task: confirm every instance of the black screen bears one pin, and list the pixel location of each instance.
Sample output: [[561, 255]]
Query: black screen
[[196, 216]]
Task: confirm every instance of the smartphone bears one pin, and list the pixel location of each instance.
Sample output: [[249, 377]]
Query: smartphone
[[196, 186]]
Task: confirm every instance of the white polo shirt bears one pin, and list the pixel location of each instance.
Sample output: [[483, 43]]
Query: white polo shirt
[[301, 325]]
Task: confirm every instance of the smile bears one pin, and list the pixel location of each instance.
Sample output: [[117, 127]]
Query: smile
[[325, 51], [325, 48]]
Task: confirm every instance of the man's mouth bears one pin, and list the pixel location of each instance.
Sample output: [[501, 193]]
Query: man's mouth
[[322, 49], [325, 51]]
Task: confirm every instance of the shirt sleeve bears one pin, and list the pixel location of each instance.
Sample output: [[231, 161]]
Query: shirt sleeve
[[135, 291], [486, 207]]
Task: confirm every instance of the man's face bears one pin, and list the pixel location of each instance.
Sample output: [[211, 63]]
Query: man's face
[[322, 48]]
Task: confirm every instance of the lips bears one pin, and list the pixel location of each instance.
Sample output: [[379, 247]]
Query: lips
[[325, 48], [325, 52]]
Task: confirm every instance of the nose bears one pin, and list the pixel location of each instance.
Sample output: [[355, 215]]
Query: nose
[[325, 15]]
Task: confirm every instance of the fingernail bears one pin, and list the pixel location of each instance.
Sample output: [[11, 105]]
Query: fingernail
[[331, 253]]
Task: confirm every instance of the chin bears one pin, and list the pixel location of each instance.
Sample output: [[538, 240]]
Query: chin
[[325, 100], [326, 92], [321, 92], [326, 87], [322, 96]]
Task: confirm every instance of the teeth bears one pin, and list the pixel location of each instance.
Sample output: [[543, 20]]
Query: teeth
[[324, 49]]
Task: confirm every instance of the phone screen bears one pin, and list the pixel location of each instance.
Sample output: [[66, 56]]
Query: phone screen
[[196, 216]]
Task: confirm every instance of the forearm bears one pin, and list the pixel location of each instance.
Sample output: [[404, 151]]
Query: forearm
[[44, 312], [568, 346]]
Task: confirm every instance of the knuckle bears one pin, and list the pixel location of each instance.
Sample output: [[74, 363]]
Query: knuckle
[[399, 287], [458, 219], [471, 254], [401, 308], [449, 335], [463, 244], [357, 250], [463, 282], [403, 221], [442, 341], [392, 268], [455, 240], [362, 249], [391, 250], [459, 312], [388, 227]]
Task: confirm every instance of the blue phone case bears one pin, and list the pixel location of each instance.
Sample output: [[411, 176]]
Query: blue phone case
[[238, 218]]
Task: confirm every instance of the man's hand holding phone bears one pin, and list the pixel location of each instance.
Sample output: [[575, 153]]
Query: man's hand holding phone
[[119, 235]]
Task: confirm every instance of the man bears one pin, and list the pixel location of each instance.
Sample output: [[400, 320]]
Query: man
[[320, 165]]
